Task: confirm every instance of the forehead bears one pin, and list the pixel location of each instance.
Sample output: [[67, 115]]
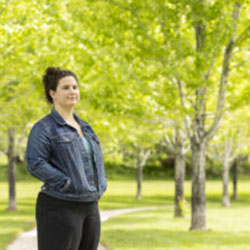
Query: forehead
[[67, 80]]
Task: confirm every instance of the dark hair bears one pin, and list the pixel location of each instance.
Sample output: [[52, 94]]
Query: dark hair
[[51, 79]]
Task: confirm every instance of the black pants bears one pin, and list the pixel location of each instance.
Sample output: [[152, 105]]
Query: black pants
[[67, 225]]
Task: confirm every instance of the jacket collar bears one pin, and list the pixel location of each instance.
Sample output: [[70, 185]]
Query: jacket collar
[[58, 118]]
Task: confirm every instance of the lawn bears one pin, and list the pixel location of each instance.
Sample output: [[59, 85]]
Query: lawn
[[12, 223], [159, 230], [151, 229]]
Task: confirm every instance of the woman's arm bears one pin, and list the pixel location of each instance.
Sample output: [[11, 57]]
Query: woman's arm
[[37, 156]]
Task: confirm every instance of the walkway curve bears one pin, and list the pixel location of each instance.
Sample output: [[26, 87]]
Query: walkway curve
[[27, 240]]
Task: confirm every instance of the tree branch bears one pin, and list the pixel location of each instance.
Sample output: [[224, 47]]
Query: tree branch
[[216, 48], [242, 36], [240, 64], [182, 98], [168, 144], [224, 75], [144, 157]]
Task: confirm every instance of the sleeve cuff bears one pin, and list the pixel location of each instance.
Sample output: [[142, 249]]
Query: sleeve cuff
[[66, 186]]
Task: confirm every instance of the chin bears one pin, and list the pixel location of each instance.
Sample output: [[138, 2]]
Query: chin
[[70, 105]]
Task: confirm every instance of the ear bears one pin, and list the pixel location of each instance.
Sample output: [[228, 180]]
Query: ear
[[52, 93]]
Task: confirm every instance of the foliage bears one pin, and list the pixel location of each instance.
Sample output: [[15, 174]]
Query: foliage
[[126, 54]]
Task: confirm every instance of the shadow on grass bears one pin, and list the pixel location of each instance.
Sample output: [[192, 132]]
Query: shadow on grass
[[243, 200], [128, 201]]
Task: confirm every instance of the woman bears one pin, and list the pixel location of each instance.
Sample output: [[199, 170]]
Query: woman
[[64, 152]]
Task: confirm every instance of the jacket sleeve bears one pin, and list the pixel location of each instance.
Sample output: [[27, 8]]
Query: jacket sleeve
[[37, 157]]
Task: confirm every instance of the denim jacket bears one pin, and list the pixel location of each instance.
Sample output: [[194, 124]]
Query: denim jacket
[[55, 155]]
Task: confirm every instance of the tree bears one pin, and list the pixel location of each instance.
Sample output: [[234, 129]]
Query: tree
[[198, 134], [230, 144], [137, 146], [178, 148], [235, 166], [11, 171]]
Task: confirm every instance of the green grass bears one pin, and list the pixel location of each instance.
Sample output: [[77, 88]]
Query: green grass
[[152, 229], [12, 223], [159, 230]]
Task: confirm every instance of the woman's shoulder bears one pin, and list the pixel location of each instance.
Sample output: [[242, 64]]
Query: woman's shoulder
[[43, 124]]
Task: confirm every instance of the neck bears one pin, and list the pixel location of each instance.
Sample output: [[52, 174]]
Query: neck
[[66, 113]]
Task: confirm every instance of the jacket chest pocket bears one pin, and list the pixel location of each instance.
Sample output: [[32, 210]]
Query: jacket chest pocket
[[65, 144], [66, 148], [65, 138]]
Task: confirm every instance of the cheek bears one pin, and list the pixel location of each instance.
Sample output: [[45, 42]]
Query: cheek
[[64, 93]]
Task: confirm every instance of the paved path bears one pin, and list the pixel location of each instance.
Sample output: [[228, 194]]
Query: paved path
[[27, 240]]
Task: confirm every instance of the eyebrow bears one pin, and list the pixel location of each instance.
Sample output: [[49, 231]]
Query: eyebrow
[[67, 84]]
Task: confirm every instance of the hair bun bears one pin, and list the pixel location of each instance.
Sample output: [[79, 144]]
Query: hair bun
[[53, 70]]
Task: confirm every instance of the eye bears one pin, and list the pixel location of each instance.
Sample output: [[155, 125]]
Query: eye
[[75, 87]]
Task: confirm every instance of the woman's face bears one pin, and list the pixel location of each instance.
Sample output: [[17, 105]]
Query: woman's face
[[67, 92]]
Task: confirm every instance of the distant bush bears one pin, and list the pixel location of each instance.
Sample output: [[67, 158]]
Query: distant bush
[[113, 171]]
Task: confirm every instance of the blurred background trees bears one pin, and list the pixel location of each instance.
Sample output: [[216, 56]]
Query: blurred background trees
[[155, 79]]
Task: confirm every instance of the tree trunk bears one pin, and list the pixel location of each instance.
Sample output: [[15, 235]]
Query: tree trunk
[[235, 178], [226, 167], [11, 171], [225, 197], [198, 186], [139, 182], [179, 185]]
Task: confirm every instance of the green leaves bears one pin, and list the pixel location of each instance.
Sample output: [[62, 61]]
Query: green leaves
[[128, 56]]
